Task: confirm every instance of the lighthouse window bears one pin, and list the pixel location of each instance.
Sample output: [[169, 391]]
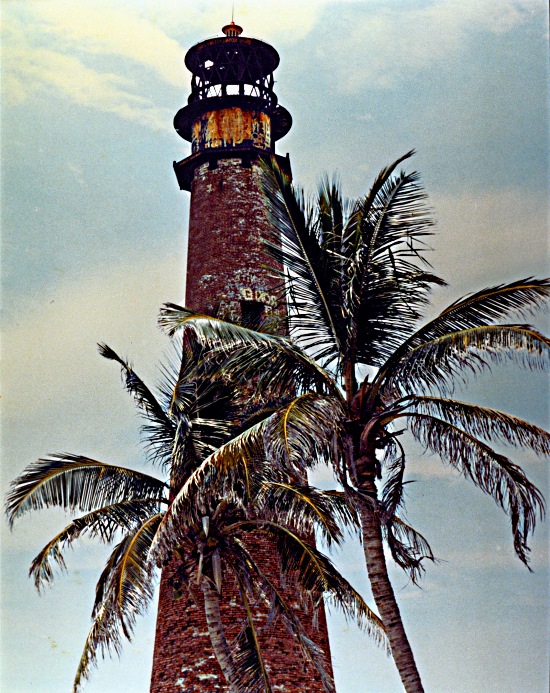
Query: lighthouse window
[[208, 63], [252, 313]]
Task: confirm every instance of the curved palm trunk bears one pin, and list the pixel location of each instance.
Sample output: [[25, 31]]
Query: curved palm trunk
[[217, 635], [383, 593]]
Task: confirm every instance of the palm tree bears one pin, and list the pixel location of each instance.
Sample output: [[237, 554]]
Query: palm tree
[[356, 281], [203, 522]]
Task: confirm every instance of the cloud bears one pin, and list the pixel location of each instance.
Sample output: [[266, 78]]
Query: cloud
[[55, 45], [100, 29], [382, 44], [506, 228], [78, 172], [280, 21], [61, 48], [43, 70], [49, 52], [496, 556], [286, 20]]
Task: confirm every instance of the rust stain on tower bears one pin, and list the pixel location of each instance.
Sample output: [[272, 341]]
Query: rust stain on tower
[[228, 127], [232, 120]]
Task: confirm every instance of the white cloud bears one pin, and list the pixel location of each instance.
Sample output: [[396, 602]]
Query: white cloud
[[495, 556], [100, 29], [39, 70], [52, 45], [78, 172], [280, 21], [33, 67], [387, 41]]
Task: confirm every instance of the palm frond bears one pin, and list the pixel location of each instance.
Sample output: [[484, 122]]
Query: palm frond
[[477, 310], [133, 586], [300, 433], [333, 212], [263, 588], [103, 638], [124, 591], [386, 312], [102, 523], [159, 428], [392, 492], [313, 574], [492, 472], [305, 509], [203, 403], [483, 422], [382, 178], [386, 286], [283, 363], [299, 248], [75, 482], [440, 363], [357, 233], [248, 658], [235, 472], [198, 391], [195, 440], [521, 298], [408, 548]]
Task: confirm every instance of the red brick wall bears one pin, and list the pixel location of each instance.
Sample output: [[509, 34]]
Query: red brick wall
[[225, 254], [225, 266], [184, 659]]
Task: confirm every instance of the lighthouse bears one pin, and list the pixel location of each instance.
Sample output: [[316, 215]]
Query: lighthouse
[[232, 120]]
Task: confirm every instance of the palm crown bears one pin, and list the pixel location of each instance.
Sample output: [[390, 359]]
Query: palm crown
[[205, 522], [356, 281]]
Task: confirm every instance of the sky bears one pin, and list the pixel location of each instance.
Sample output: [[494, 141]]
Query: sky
[[94, 241]]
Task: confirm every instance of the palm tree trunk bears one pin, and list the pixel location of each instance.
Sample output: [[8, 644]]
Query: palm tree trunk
[[350, 382], [383, 593], [217, 635]]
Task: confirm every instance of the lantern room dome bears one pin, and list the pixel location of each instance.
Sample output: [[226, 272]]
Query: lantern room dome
[[219, 63], [232, 70]]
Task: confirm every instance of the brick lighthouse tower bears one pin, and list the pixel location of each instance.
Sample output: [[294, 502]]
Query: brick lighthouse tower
[[232, 120]]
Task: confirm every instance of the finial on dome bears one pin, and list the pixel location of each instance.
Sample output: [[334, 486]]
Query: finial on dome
[[232, 30]]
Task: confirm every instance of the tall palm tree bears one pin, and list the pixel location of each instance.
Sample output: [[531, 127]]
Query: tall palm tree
[[204, 522], [356, 282]]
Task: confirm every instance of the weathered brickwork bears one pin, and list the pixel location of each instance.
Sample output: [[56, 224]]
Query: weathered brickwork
[[184, 660], [226, 258], [226, 264]]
